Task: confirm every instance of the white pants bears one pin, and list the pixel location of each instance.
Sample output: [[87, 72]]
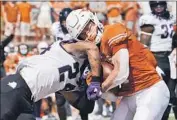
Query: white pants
[[148, 104], [44, 21], [24, 29], [44, 18]]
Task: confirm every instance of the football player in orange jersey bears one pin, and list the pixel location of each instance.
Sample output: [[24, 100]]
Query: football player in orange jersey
[[145, 95]]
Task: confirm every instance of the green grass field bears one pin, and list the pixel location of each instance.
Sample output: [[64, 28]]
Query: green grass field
[[171, 117]]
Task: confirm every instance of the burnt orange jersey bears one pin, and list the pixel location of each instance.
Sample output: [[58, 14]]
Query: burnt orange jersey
[[25, 9], [11, 12], [142, 65]]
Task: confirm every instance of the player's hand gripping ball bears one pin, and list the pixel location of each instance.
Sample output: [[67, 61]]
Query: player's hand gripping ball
[[107, 68]]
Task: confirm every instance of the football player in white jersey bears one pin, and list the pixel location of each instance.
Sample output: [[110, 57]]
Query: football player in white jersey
[[57, 69], [60, 33], [157, 31], [58, 29]]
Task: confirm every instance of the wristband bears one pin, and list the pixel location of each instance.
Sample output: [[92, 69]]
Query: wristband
[[96, 79], [146, 33]]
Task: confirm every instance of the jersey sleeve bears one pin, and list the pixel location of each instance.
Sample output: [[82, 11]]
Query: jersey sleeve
[[115, 38], [146, 20]]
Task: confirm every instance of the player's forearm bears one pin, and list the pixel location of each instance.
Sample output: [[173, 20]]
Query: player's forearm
[[94, 60], [146, 33], [109, 80], [92, 52], [145, 39], [7, 40], [112, 76]]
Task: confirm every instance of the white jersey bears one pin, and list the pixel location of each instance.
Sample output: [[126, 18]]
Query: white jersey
[[58, 33], [161, 39], [50, 72]]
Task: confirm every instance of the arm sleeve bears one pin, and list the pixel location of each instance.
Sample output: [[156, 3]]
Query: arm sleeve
[[146, 20], [7, 40]]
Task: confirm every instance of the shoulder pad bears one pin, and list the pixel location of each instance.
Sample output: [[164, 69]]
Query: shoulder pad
[[56, 28]]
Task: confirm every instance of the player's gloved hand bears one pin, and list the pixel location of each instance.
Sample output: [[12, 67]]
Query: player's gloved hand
[[94, 89]]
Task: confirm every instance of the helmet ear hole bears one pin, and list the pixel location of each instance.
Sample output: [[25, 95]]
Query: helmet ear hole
[[79, 37]]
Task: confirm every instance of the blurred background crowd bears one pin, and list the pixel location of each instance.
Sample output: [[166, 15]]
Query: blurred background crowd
[[32, 22]]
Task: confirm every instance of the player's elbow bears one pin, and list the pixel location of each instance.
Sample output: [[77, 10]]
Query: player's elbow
[[92, 46]]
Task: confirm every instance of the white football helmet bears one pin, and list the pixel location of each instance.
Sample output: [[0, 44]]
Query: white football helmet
[[78, 19]]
